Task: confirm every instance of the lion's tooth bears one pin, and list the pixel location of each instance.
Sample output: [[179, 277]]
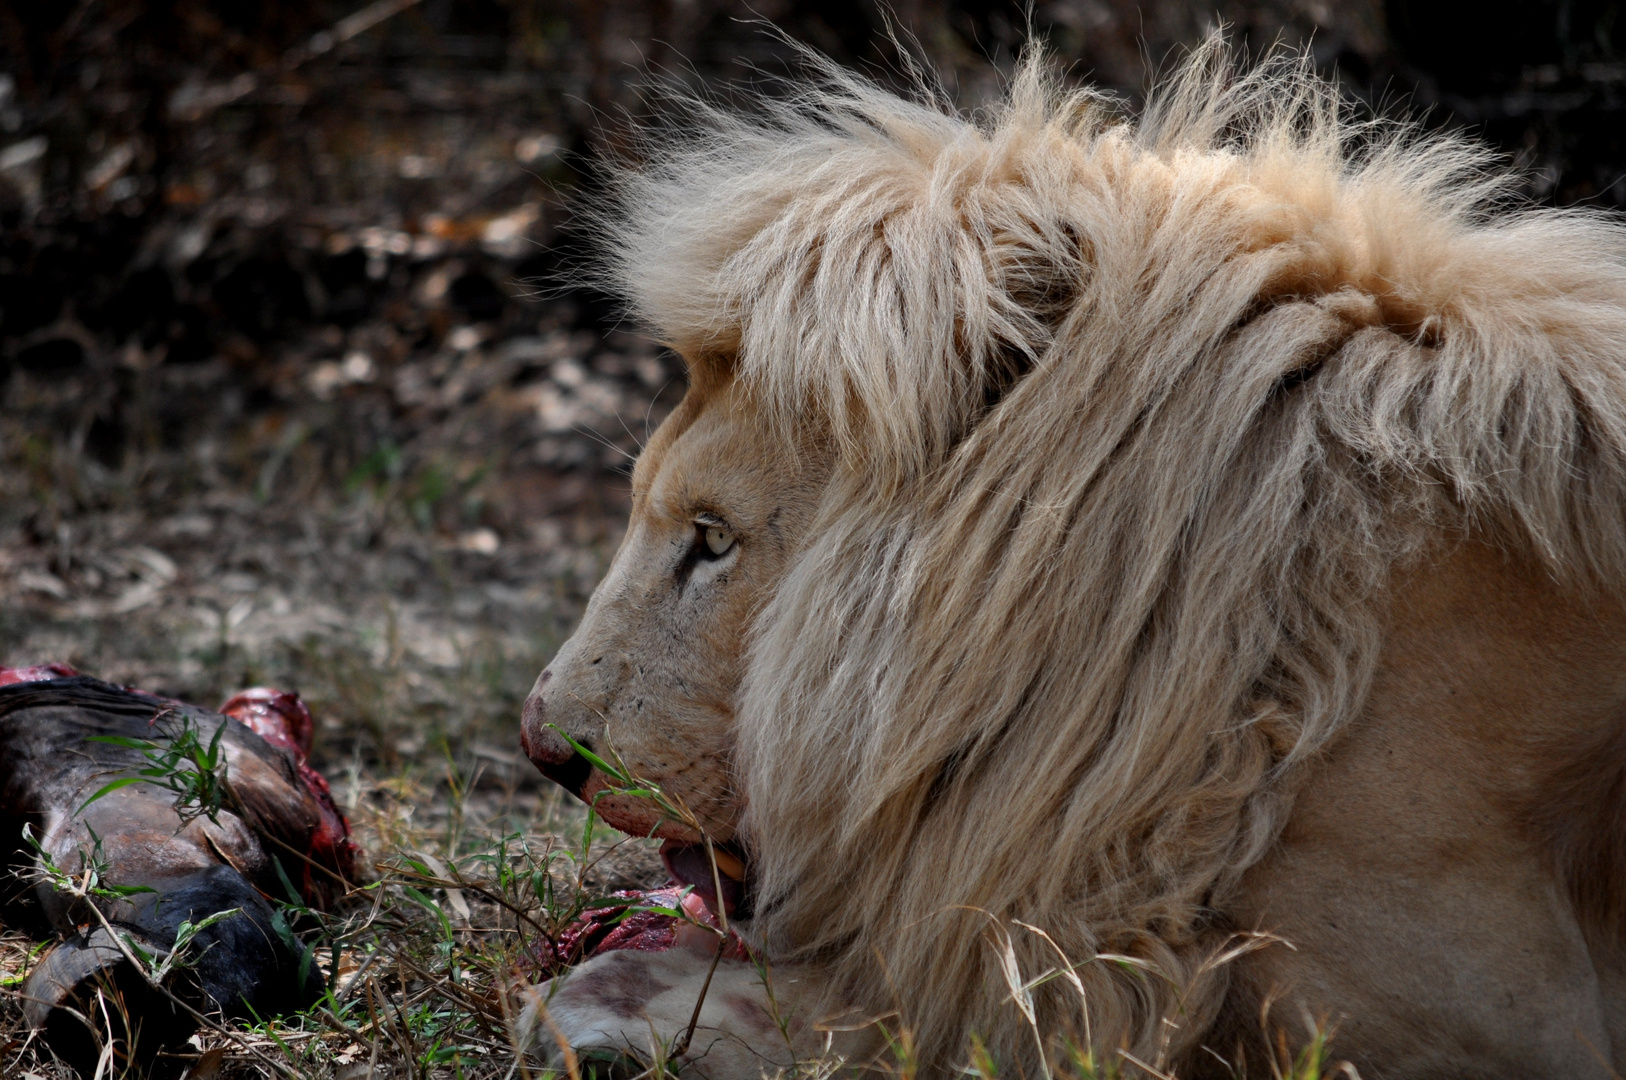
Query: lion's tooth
[[728, 865]]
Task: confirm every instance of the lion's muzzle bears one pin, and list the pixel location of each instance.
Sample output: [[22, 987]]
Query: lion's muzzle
[[548, 749]]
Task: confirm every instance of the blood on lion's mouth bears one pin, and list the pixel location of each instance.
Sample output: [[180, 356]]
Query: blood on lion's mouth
[[690, 865]]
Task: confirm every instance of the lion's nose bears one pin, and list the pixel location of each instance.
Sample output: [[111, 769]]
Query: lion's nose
[[547, 749]]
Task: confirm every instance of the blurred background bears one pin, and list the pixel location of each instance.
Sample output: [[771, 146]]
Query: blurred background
[[296, 385]]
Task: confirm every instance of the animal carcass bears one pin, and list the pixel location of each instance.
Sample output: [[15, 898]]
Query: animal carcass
[[115, 877]]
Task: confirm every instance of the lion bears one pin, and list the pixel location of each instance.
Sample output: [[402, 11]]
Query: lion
[[1117, 590]]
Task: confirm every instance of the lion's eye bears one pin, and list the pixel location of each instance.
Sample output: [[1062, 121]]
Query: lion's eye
[[718, 541]]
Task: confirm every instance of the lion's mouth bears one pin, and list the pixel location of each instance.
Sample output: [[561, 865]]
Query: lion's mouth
[[690, 864]]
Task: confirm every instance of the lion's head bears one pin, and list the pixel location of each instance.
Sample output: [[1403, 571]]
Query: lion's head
[[1028, 522], [651, 677]]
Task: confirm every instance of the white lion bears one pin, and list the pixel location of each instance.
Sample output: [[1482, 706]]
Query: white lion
[[1091, 549]]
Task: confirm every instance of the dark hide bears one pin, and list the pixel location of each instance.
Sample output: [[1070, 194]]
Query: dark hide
[[242, 966]]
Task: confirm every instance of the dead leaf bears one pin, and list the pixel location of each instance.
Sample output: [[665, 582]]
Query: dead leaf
[[208, 1065]]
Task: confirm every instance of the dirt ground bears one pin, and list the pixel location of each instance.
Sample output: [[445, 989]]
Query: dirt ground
[[299, 387]]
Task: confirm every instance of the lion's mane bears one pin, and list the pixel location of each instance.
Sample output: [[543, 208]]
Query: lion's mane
[[1135, 418]]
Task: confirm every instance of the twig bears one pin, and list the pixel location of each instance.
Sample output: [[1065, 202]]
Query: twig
[[717, 886], [378, 1026], [682, 1046], [474, 1004], [355, 980], [401, 1025], [459, 883], [1133, 1060], [191, 103]]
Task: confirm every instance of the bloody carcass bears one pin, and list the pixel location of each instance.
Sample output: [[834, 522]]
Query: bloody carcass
[[114, 870]]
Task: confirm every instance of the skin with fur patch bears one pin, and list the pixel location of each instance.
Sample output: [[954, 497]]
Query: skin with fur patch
[[1176, 570]]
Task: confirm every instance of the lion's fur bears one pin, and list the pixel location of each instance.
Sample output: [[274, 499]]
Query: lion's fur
[[1134, 420]]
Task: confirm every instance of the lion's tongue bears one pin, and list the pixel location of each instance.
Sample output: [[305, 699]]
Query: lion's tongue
[[689, 865]]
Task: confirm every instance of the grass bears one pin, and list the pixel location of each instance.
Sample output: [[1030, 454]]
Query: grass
[[423, 965], [478, 864], [320, 548], [478, 867]]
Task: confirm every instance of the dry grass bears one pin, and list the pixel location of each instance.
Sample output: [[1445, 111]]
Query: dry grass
[[476, 870], [412, 611], [478, 866], [423, 760], [408, 569]]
